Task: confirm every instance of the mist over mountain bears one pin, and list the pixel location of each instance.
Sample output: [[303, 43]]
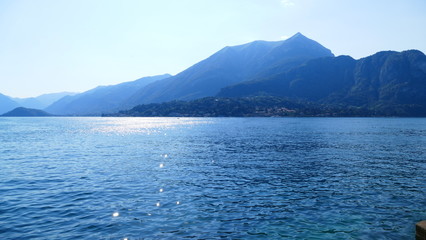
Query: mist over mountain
[[297, 71], [7, 104], [229, 66], [42, 101], [102, 99]]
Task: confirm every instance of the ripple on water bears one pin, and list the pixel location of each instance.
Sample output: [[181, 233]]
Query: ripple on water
[[168, 178]]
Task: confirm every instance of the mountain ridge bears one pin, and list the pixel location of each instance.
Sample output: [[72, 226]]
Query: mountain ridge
[[7, 103], [298, 69], [42, 101], [385, 80], [228, 66], [101, 99]]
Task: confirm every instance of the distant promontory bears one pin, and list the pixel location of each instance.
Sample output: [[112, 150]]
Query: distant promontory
[[26, 112]]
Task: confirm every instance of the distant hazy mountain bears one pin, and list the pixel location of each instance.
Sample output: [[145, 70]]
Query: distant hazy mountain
[[7, 104], [295, 71], [229, 66], [26, 112], [42, 101], [103, 99], [393, 83]]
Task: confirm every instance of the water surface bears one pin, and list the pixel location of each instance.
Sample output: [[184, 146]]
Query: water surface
[[212, 178]]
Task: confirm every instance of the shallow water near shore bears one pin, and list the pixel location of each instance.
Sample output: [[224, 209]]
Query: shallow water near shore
[[212, 178]]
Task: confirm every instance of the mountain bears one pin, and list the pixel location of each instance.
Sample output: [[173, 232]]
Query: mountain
[[229, 66], [297, 70], [390, 83], [29, 102], [389, 78], [7, 104], [42, 101], [314, 80], [103, 99], [26, 112]]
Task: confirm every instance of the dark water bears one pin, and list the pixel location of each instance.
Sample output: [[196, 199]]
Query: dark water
[[230, 178]]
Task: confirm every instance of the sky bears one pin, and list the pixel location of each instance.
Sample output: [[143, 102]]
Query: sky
[[49, 46]]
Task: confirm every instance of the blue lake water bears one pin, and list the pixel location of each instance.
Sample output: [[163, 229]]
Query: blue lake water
[[212, 178]]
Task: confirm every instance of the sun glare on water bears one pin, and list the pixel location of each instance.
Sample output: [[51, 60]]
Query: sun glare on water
[[147, 126]]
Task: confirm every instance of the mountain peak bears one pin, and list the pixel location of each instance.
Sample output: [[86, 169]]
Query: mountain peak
[[300, 46], [298, 37], [298, 34]]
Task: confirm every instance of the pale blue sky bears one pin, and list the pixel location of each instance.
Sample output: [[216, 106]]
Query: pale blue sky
[[74, 45]]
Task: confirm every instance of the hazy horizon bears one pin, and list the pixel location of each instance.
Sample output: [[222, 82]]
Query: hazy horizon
[[56, 46]]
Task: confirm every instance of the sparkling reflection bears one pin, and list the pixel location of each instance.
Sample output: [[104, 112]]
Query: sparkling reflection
[[240, 179], [130, 125]]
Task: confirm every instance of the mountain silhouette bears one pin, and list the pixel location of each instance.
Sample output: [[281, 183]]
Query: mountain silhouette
[[26, 112], [229, 66], [390, 82], [297, 70], [7, 104], [41, 101], [103, 99]]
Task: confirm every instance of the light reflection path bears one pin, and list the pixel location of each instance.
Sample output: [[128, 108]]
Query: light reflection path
[[239, 178], [147, 126]]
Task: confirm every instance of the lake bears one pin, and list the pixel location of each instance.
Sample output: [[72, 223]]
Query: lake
[[212, 178]]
